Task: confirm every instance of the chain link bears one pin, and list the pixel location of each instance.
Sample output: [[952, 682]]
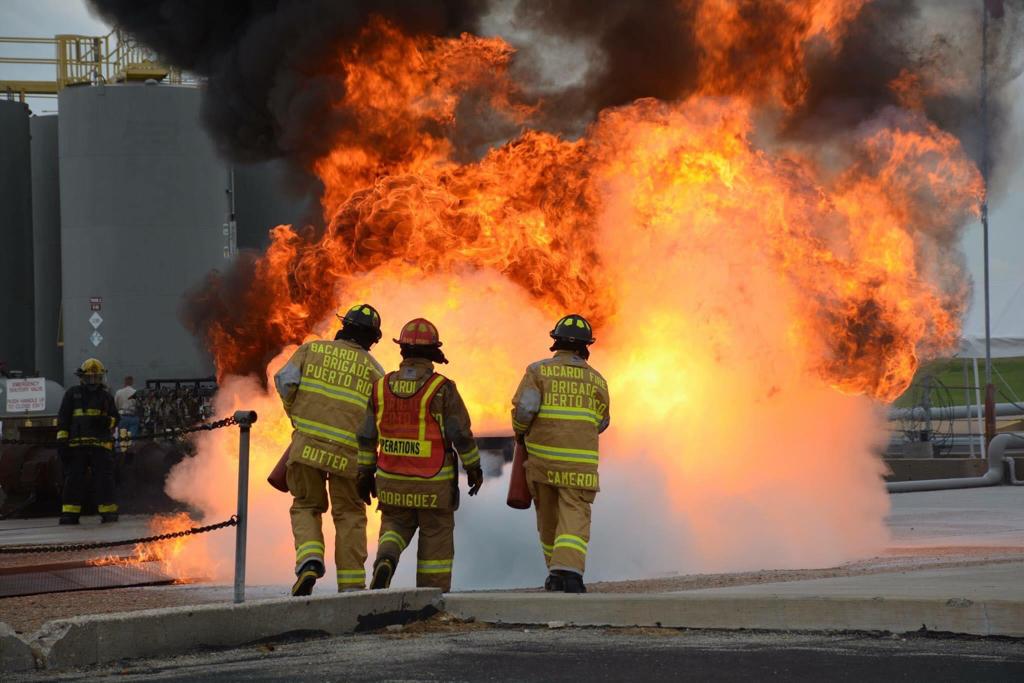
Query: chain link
[[72, 547], [167, 434]]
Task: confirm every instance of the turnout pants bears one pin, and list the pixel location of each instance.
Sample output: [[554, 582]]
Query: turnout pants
[[563, 521], [310, 489], [436, 545], [76, 462]]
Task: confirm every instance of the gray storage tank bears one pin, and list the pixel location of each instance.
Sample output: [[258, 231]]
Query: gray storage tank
[[46, 246], [16, 324], [143, 201]]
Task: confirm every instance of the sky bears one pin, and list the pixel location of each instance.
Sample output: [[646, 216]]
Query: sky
[[44, 18]]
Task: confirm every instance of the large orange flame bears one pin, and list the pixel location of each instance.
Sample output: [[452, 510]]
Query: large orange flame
[[741, 285]]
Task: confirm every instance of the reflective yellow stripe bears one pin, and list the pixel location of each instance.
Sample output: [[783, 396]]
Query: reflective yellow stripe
[[309, 549], [111, 507], [90, 441], [380, 400], [365, 457], [427, 395], [73, 509], [471, 458], [547, 548], [90, 412], [348, 577], [447, 472], [62, 434], [332, 392], [562, 454], [392, 537], [519, 426], [320, 429], [571, 542], [434, 566], [563, 413]]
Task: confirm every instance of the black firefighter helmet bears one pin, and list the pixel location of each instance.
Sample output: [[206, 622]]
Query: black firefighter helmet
[[365, 317], [574, 329]]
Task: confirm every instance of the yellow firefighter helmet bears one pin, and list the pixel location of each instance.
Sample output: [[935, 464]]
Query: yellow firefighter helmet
[[92, 371]]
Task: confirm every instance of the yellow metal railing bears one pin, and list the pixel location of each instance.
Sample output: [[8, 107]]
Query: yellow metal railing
[[84, 60]]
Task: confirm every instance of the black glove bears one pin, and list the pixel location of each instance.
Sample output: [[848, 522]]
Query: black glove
[[475, 475], [366, 485]]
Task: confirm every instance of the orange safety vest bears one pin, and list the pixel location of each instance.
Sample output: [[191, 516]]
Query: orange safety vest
[[410, 441]]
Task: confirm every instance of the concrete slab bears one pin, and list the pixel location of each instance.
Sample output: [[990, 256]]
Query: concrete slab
[[689, 610], [964, 517], [15, 653], [46, 531], [985, 601], [88, 640], [978, 584]]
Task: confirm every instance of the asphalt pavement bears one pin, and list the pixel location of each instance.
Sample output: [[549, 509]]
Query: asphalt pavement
[[474, 652]]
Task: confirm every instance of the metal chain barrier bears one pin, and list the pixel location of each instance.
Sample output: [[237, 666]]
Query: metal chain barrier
[[71, 547], [152, 436]]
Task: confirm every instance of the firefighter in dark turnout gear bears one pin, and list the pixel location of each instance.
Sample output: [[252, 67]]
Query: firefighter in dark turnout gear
[[557, 413], [85, 439], [415, 424]]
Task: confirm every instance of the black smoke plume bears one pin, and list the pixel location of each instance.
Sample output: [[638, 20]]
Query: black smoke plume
[[273, 87], [271, 82]]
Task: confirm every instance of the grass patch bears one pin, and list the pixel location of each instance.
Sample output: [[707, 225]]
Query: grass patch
[[1007, 376]]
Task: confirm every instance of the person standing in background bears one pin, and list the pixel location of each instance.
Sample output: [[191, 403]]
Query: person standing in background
[[127, 409]]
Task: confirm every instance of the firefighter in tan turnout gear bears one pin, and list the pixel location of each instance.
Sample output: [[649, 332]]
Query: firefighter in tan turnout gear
[[558, 411], [325, 387], [414, 425]]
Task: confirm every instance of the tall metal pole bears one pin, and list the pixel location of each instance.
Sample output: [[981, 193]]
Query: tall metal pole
[[984, 179], [245, 420]]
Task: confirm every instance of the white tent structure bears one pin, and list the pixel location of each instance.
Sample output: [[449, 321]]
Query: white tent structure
[[1007, 324]]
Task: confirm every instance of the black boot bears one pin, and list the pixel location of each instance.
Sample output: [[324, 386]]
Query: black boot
[[108, 517], [555, 582], [573, 583], [310, 571], [68, 518], [383, 570]]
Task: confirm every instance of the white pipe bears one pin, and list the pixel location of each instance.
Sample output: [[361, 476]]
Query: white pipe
[[977, 399], [953, 412], [994, 475], [967, 400], [1011, 471]]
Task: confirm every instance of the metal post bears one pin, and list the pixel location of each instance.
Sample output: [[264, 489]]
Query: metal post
[[984, 180], [977, 405], [245, 420]]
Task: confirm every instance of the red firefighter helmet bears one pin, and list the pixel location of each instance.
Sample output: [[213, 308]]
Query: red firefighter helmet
[[419, 332]]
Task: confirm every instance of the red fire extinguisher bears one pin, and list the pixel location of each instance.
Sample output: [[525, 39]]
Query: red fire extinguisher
[[518, 493], [279, 475]]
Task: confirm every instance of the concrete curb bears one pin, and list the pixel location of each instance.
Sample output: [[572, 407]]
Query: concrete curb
[[778, 613], [15, 653], [95, 639]]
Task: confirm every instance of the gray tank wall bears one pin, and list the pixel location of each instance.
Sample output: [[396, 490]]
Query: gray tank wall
[[16, 324], [143, 203], [265, 197], [46, 246]]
